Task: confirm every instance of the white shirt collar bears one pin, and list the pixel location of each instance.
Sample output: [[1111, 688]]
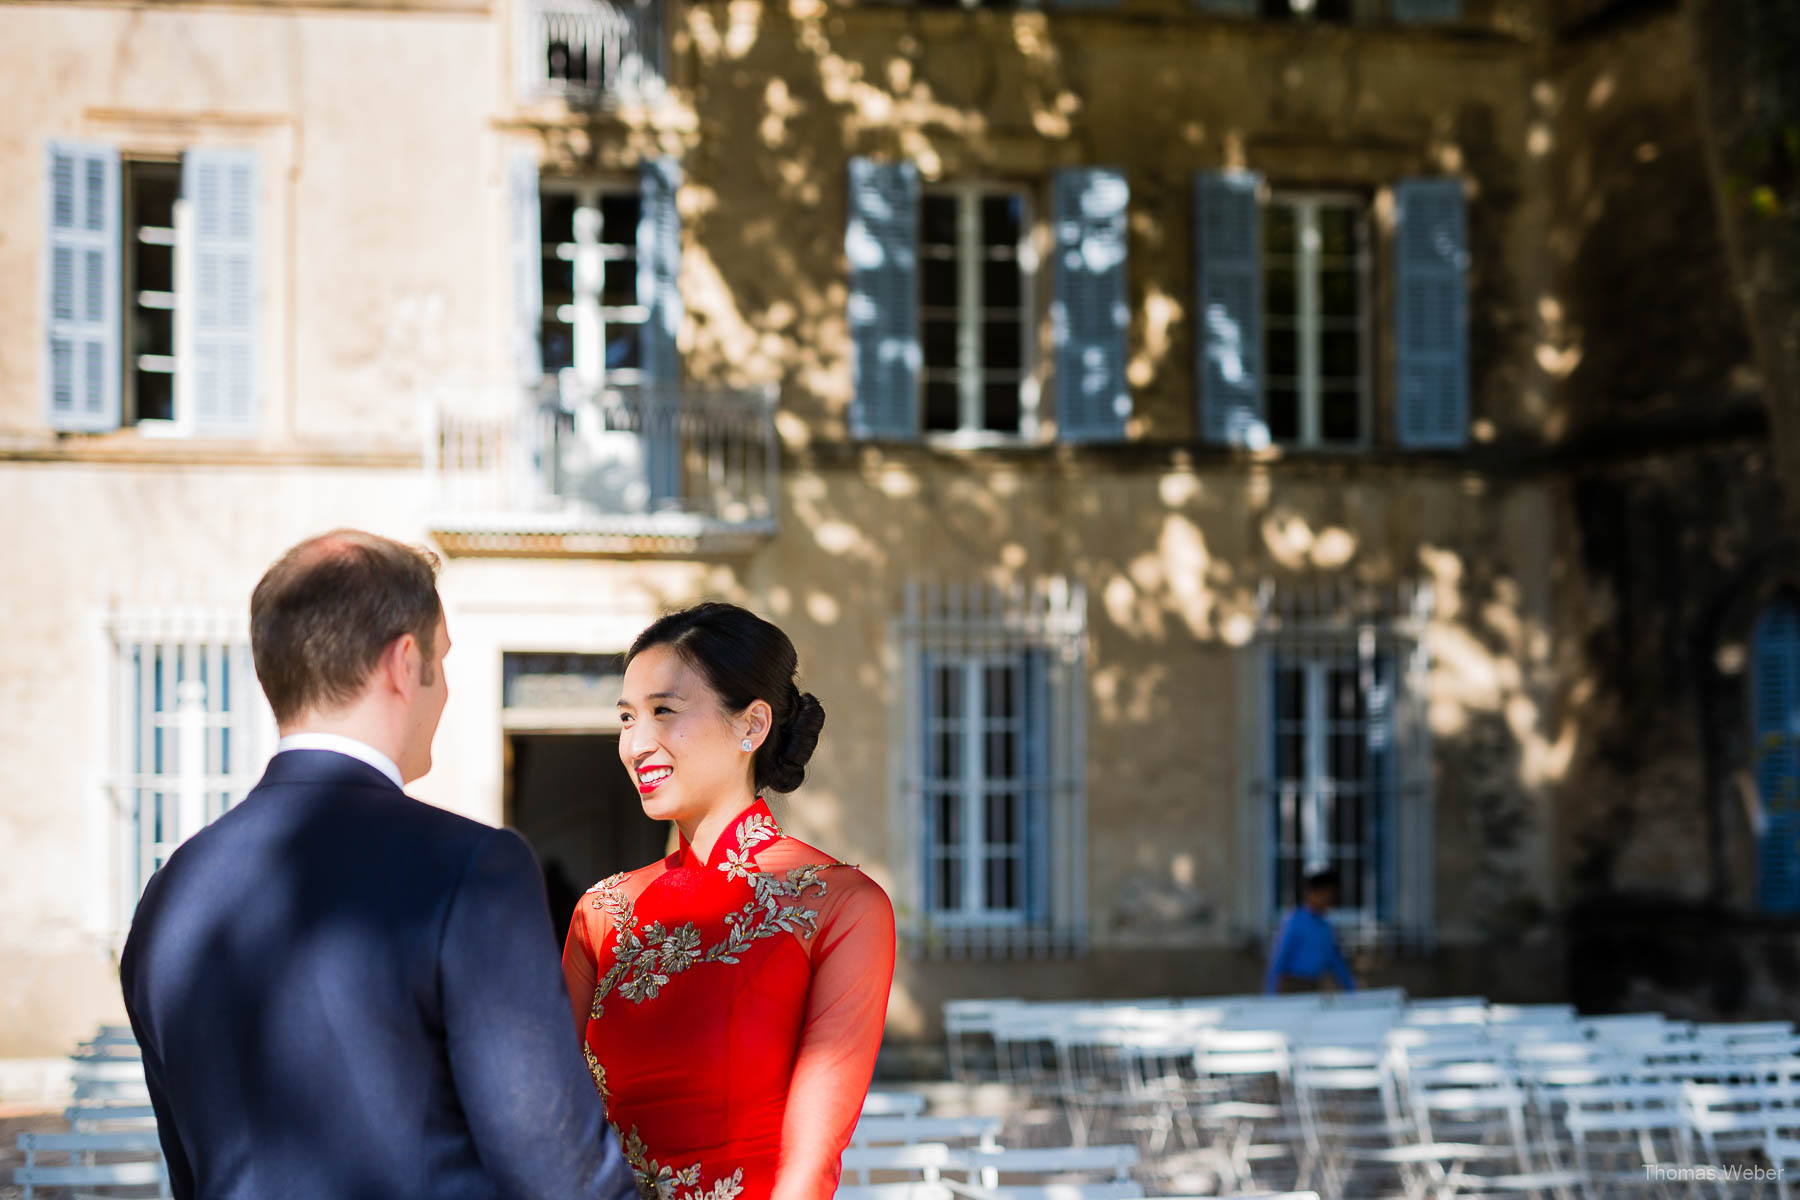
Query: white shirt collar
[[339, 744]]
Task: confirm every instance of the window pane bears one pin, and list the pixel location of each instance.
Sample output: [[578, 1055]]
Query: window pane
[[998, 696], [1002, 284], [1002, 220], [940, 343], [1341, 418], [155, 396], [559, 280], [558, 346], [947, 702], [949, 884], [1002, 347], [1002, 755], [948, 754], [947, 820], [621, 279], [1283, 349], [1280, 294], [943, 406], [1003, 407], [557, 218], [152, 331], [1284, 414], [1341, 352], [1339, 292], [153, 268], [1002, 883], [1278, 230], [622, 342], [619, 213], [937, 282], [937, 220], [1337, 232]]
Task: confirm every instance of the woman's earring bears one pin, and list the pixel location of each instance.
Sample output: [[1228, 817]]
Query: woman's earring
[[747, 746]]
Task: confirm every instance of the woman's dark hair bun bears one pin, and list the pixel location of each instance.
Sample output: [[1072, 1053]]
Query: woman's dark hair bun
[[796, 738], [745, 658]]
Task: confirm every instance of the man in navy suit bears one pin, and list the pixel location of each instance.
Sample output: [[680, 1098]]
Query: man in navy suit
[[342, 993]]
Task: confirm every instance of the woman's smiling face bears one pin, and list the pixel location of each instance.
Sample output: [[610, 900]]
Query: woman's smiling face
[[681, 748]]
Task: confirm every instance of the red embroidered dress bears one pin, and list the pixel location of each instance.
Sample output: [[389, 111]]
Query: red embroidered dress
[[733, 1009]]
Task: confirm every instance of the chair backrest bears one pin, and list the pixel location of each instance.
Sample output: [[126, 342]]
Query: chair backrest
[[916, 1189], [1055, 1160], [893, 1104], [912, 1130]]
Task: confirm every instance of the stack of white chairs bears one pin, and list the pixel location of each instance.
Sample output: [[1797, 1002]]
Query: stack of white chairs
[[1372, 1093]]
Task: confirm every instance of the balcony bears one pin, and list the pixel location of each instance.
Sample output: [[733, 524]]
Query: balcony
[[606, 471], [592, 53]]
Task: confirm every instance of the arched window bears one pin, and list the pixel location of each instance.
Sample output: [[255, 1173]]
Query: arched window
[[1775, 707]]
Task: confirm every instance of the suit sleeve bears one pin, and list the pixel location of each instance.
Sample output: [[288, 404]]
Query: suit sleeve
[[181, 1172], [846, 1008], [531, 1105]]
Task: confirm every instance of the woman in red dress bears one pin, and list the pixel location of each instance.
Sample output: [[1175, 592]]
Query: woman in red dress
[[731, 996]]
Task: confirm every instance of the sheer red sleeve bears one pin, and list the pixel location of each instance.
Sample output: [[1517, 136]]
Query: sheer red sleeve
[[578, 964], [846, 1007]]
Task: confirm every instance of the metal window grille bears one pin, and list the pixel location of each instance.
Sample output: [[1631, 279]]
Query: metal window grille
[[593, 50], [194, 732], [1338, 760], [994, 744]]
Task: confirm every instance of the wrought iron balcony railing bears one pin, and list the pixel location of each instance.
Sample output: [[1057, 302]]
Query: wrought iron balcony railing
[[607, 470], [593, 51]]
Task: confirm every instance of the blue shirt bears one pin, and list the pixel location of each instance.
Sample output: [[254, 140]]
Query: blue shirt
[[1306, 947]]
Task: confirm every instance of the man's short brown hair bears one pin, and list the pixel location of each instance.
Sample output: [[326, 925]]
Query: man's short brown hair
[[321, 617]]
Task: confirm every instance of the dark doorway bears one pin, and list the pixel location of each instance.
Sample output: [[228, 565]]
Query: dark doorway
[[573, 802]]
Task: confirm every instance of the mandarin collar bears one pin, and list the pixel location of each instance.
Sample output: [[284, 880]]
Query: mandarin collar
[[753, 829]]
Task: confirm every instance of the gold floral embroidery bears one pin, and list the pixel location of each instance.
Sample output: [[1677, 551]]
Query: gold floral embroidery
[[756, 829], [738, 864], [658, 1182], [597, 1071], [645, 960]]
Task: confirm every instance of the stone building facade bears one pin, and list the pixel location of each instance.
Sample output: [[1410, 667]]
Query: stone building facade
[[1188, 442]]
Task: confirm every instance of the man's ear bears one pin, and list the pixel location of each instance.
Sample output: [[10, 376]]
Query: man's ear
[[400, 664]]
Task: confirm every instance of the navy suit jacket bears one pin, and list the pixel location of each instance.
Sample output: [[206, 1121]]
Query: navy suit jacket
[[342, 993]]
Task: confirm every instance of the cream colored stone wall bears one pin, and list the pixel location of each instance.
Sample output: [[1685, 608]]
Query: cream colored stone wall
[[382, 137]]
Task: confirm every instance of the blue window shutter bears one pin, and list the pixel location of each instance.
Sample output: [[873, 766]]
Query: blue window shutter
[[659, 268], [881, 244], [1427, 10], [1228, 274], [1775, 701], [527, 267], [220, 187], [1235, 8], [1090, 313], [83, 289], [1431, 318], [659, 285]]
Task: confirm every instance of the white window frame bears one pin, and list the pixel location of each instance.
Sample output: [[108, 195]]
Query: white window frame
[[975, 625], [588, 316], [1311, 625], [194, 724], [970, 255], [181, 301], [1309, 319]]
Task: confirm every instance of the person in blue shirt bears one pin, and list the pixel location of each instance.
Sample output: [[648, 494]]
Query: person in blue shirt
[[1306, 949]]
